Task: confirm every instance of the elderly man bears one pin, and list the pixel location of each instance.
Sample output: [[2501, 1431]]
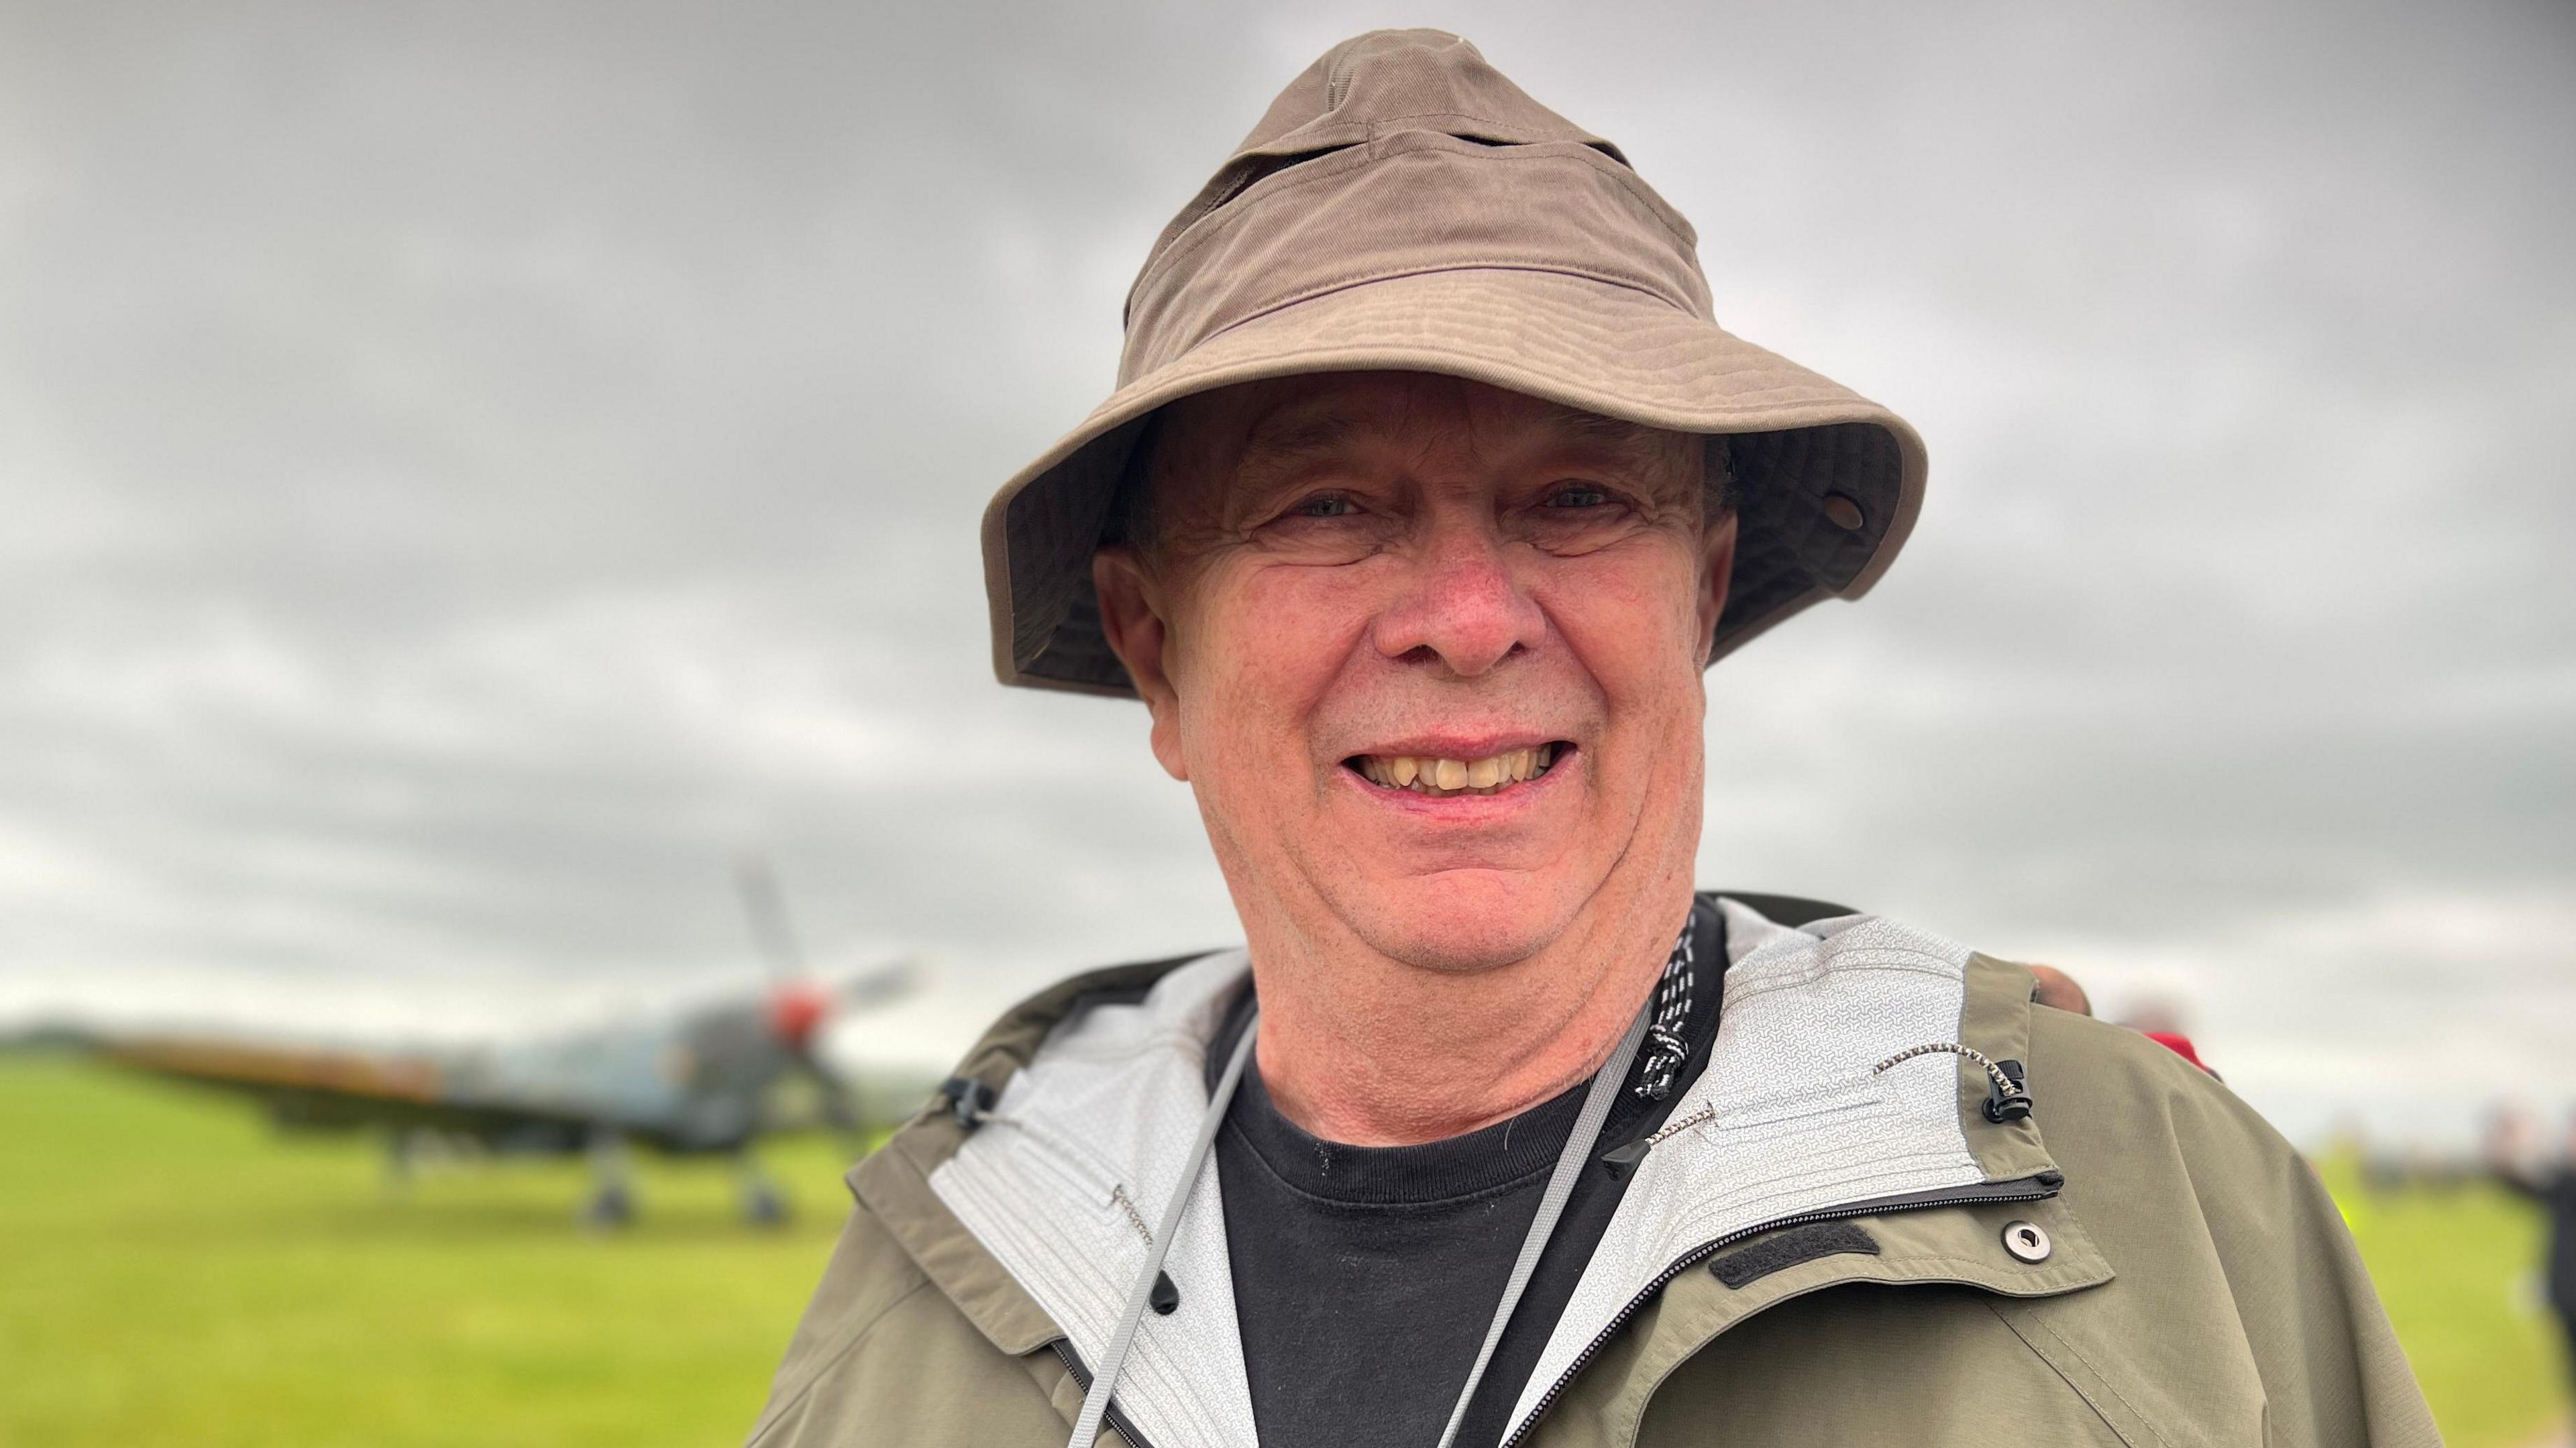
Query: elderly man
[[1429, 491]]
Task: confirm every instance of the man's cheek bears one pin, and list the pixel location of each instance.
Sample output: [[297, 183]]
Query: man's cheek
[[1652, 581], [1634, 657], [1299, 626]]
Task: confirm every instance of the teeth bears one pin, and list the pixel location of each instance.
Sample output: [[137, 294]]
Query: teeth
[[1457, 776]]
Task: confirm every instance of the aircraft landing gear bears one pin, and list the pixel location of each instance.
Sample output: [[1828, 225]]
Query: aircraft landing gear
[[402, 1161], [612, 1197], [610, 1207], [763, 1205]]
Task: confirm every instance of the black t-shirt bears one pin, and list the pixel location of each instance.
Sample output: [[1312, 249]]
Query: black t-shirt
[[1365, 1277]]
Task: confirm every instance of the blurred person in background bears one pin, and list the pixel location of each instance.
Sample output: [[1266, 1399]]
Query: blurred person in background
[[2161, 1021], [1429, 492], [2551, 1184]]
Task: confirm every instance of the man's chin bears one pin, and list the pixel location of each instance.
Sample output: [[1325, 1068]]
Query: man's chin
[[1461, 922]]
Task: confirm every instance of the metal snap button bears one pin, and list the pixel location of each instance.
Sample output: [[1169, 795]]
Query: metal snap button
[[2026, 1240]]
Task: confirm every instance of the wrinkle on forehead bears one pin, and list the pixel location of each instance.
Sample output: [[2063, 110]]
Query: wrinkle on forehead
[[1298, 428]]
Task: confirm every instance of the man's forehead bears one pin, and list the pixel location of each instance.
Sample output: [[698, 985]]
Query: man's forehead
[[1286, 420]]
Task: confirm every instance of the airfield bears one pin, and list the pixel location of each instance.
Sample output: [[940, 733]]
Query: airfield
[[172, 1271]]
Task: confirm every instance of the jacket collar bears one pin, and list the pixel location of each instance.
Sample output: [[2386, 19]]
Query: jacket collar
[[1801, 1119], [1026, 1223], [894, 1181]]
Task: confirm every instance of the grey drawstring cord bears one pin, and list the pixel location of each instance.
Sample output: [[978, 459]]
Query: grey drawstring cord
[[1104, 1374], [1560, 1187]]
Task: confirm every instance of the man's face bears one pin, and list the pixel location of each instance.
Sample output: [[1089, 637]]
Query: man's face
[[1429, 652]]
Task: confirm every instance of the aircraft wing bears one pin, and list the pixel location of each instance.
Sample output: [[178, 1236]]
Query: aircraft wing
[[308, 1086]]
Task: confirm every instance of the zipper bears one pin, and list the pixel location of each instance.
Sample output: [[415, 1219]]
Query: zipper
[[1115, 1417], [2020, 1189]]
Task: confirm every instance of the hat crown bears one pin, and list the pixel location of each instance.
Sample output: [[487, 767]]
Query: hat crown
[[1374, 85], [1405, 79], [1401, 153]]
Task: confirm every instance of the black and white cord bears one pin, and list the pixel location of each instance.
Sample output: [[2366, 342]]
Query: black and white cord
[[1666, 1051]]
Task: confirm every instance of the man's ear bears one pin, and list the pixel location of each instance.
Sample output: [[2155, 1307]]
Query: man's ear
[[1132, 619], [1716, 569]]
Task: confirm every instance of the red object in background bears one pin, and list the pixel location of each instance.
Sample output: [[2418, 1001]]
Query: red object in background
[[2180, 1045], [796, 1010]]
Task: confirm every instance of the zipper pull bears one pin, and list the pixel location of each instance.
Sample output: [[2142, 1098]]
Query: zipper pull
[[1619, 1159]]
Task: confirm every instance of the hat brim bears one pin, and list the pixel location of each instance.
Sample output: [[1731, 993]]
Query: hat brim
[[1570, 339]]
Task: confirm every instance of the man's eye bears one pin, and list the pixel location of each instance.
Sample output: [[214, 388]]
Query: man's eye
[[1578, 495], [1328, 506]]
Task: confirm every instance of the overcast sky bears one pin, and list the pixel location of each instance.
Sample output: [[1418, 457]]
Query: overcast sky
[[466, 472]]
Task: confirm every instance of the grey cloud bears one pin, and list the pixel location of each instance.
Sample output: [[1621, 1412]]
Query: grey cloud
[[472, 469]]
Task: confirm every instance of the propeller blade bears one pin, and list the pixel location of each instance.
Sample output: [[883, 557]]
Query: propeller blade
[[831, 1089], [886, 983], [765, 906]]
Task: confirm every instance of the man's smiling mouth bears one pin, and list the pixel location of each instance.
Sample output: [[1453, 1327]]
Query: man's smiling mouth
[[1444, 778]]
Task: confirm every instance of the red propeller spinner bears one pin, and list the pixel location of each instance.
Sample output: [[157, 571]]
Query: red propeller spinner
[[797, 1008]]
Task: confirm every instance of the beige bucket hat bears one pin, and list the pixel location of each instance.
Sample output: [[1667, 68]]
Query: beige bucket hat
[[1403, 206]]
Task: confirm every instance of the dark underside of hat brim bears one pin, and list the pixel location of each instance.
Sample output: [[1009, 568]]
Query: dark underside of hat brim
[[1794, 440]]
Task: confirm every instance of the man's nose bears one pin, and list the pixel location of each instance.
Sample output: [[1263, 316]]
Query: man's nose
[[1463, 608]]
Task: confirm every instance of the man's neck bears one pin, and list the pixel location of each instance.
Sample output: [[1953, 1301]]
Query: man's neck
[[1369, 1052]]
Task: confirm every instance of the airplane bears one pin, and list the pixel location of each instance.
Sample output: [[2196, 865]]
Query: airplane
[[694, 1083]]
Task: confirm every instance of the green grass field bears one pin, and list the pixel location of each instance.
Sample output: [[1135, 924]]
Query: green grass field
[[2455, 1266], [172, 1272]]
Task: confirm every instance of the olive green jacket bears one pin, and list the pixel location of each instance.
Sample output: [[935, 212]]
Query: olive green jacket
[[1832, 1249]]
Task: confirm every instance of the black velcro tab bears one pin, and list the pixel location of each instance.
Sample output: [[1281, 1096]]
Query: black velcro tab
[[1788, 1249]]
